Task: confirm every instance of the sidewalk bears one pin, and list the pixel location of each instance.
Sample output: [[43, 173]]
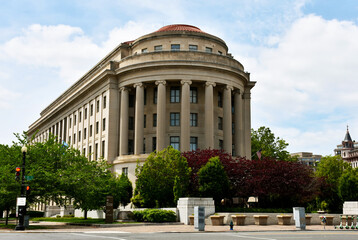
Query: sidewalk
[[140, 228]]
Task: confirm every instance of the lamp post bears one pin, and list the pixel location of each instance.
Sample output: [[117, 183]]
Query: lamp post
[[22, 209]]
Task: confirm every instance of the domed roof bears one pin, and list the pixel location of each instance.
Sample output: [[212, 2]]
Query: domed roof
[[179, 27]]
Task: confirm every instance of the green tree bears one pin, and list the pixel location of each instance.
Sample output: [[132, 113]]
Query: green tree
[[329, 171], [122, 190], [348, 185], [162, 174], [213, 180], [265, 141]]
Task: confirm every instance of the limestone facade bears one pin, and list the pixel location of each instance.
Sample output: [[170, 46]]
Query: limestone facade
[[177, 86]]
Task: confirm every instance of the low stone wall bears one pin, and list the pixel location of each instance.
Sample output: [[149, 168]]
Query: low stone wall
[[272, 219]]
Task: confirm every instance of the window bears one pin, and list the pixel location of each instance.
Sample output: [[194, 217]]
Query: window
[[193, 143], [220, 52], [145, 121], [175, 142], [174, 119], [85, 133], [154, 144], [220, 99], [85, 113], [103, 147], [70, 123], [74, 119], [131, 100], [154, 120], [175, 47], [80, 117], [193, 47], [96, 152], [144, 50], [131, 123], [91, 110], [233, 128], [97, 106], [130, 146], [69, 140], [220, 123], [91, 129], [175, 94], [221, 144], [79, 136], [125, 171], [155, 95], [90, 153], [208, 50], [145, 96], [104, 124], [84, 152], [97, 127], [143, 145], [104, 102], [158, 48], [193, 119], [193, 95], [74, 138]]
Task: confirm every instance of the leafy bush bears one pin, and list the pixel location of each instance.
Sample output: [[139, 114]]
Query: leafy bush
[[155, 215], [33, 214]]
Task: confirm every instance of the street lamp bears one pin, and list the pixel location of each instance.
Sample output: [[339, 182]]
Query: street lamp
[[22, 209]]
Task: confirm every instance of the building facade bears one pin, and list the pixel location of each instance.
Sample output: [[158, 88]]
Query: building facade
[[307, 158], [348, 150], [177, 86]]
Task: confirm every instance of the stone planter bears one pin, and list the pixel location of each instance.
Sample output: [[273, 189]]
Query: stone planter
[[308, 219], [191, 220], [261, 219], [344, 220], [238, 219], [329, 220], [217, 220], [284, 219]]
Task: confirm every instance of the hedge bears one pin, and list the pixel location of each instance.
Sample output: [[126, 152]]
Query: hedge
[[155, 215]]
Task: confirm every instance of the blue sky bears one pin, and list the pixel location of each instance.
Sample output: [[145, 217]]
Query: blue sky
[[301, 53]]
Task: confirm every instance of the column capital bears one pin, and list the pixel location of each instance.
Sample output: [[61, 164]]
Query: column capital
[[210, 84], [237, 91], [182, 82], [160, 82], [121, 89], [138, 85], [229, 87]]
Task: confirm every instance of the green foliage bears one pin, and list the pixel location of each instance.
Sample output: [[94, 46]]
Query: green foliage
[[121, 190], [163, 178], [263, 139], [155, 215], [348, 185], [213, 180]]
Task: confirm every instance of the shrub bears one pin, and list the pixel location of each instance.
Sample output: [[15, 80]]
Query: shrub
[[34, 214], [155, 215]]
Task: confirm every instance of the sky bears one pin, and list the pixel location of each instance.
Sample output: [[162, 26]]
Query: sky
[[302, 54]]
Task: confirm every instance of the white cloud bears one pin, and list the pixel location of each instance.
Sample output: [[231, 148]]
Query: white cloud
[[7, 97]]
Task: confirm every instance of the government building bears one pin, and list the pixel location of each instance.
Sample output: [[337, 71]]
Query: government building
[[177, 86], [348, 150]]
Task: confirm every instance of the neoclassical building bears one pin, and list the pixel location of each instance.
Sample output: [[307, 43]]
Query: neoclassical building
[[176, 86]]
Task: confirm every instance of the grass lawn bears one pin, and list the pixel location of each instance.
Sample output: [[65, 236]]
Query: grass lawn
[[12, 227]]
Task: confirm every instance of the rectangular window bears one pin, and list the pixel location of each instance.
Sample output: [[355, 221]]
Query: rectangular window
[[193, 47], [80, 117], [79, 136], [143, 145], [233, 128], [175, 142], [130, 146], [103, 147], [175, 47], [175, 94], [220, 123], [145, 121], [193, 143], [144, 50], [208, 50], [104, 102], [193, 95], [158, 48], [91, 129], [97, 106], [70, 123], [220, 53], [85, 113], [131, 123], [221, 144], [125, 171], [193, 119], [174, 119], [154, 144], [91, 110], [220, 99], [85, 133], [154, 120], [104, 124], [131, 100], [96, 152], [90, 153], [97, 127], [69, 140], [155, 95], [74, 138], [84, 152], [145, 96], [74, 119]]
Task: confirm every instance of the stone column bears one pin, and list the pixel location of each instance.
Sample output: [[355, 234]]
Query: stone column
[[209, 114], [227, 119], [247, 123], [123, 138], [239, 128], [113, 119], [161, 112], [185, 116], [139, 119]]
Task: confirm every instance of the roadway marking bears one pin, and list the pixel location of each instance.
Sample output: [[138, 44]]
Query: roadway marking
[[247, 236], [105, 232], [96, 236]]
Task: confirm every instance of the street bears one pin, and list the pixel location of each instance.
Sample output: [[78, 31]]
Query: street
[[102, 235]]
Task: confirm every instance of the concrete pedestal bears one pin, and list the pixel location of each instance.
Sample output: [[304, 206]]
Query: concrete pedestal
[[350, 208], [186, 207]]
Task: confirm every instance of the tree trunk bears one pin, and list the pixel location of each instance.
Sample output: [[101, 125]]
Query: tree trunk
[[7, 216], [85, 214]]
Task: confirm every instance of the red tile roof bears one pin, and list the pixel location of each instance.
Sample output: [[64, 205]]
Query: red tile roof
[[180, 27]]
